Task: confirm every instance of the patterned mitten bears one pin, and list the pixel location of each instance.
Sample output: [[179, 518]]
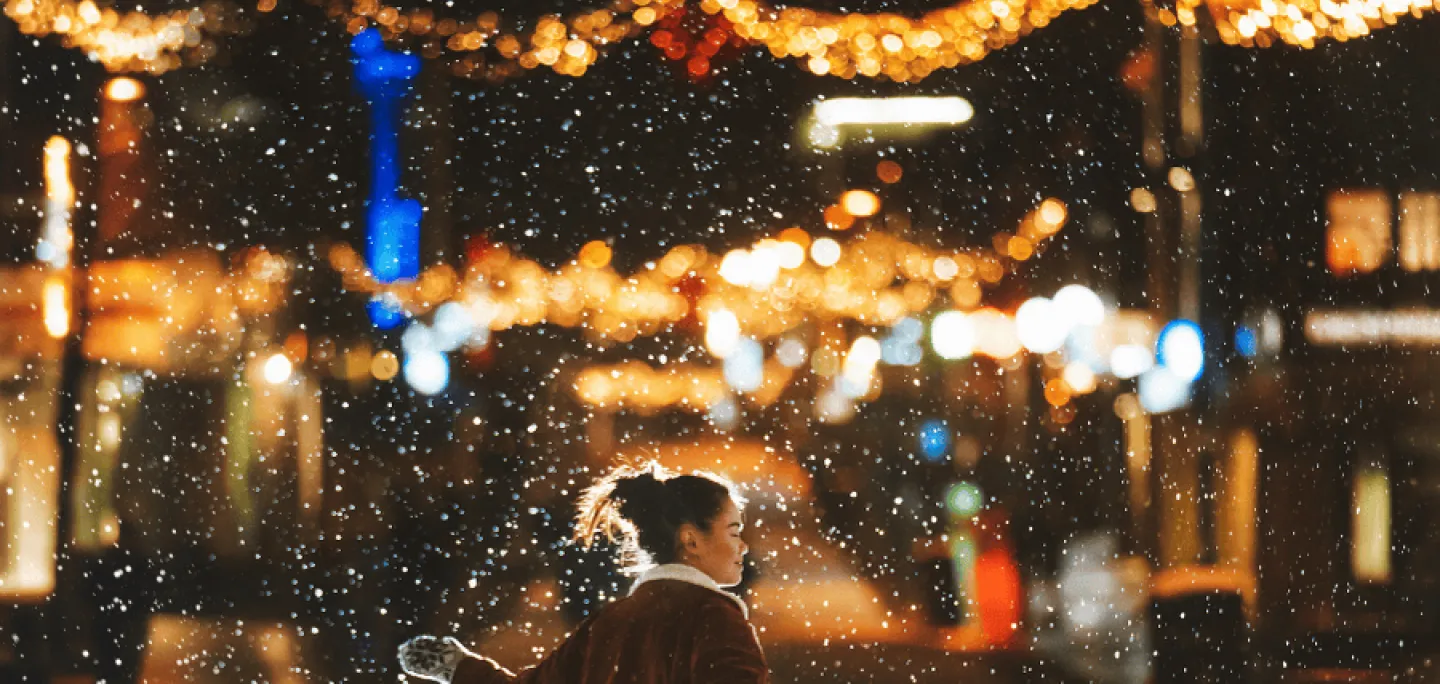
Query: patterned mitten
[[429, 657]]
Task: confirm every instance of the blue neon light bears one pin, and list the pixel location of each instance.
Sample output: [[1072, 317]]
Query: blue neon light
[[392, 239]]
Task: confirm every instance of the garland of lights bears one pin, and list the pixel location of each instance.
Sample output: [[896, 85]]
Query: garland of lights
[[877, 45], [874, 45], [770, 288], [889, 45], [1262, 23], [132, 41], [493, 53], [846, 45]]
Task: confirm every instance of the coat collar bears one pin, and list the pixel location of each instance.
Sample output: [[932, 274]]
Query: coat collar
[[686, 573]]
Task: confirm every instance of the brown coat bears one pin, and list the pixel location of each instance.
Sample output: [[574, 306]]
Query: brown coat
[[667, 631]]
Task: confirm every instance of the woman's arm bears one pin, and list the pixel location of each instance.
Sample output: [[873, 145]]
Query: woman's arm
[[448, 661], [560, 667]]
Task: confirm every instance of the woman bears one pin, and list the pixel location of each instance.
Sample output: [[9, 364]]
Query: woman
[[677, 626]]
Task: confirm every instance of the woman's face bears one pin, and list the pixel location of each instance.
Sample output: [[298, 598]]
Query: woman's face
[[718, 552]]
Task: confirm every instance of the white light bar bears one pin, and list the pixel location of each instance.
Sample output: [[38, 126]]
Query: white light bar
[[1373, 327], [847, 111]]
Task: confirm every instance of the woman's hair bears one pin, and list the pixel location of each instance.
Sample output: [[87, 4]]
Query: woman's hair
[[643, 507]]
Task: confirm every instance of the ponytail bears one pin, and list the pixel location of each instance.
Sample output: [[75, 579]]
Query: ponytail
[[643, 508]]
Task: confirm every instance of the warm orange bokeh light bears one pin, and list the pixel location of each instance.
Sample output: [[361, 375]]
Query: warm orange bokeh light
[[795, 235], [124, 89], [860, 203], [595, 254], [889, 172], [836, 218]]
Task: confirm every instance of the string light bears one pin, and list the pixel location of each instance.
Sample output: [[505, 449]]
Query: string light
[[876, 45], [1262, 23], [486, 50], [885, 45], [637, 386], [768, 289], [879, 45], [132, 41]]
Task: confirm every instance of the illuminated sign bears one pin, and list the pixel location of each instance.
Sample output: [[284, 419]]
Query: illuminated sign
[[1373, 327]]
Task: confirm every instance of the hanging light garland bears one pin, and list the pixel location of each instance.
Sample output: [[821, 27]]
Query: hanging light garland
[[488, 47], [769, 288], [129, 41], [874, 45], [881, 45], [888, 45], [1262, 23]]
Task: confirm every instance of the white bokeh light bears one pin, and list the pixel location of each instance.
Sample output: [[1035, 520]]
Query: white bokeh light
[[277, 369], [1079, 376], [744, 368], [859, 368], [1130, 360], [952, 335], [417, 338], [1080, 306], [722, 333], [791, 255], [825, 252], [764, 267], [791, 352], [1040, 326], [453, 327], [1162, 391], [735, 267], [427, 372]]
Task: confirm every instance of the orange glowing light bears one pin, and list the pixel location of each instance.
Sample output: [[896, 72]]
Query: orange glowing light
[[595, 254], [889, 172], [56, 300], [860, 203], [795, 235], [124, 89], [57, 171], [836, 218], [384, 365]]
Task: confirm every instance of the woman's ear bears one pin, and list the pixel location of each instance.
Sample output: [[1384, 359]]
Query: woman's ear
[[689, 537]]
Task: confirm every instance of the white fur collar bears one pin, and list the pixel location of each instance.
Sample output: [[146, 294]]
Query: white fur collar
[[687, 573]]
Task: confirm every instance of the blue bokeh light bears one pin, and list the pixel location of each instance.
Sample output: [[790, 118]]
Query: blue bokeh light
[[1247, 342], [1181, 350], [935, 439]]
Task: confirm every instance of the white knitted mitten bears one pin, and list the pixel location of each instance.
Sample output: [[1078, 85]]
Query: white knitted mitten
[[432, 658]]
